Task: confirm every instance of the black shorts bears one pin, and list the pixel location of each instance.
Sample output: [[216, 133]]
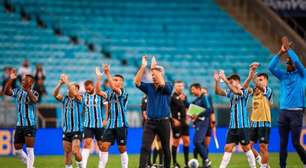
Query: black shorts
[[238, 135], [70, 136], [182, 130], [208, 133], [96, 133], [115, 134], [24, 131], [260, 134]]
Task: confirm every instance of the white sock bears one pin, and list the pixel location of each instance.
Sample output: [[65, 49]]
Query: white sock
[[265, 165], [22, 156], [103, 157], [124, 160], [85, 155], [79, 164], [68, 166], [226, 159], [251, 158], [30, 162], [258, 159]]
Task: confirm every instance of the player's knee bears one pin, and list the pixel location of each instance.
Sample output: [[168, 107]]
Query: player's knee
[[104, 147], [186, 141], [263, 148], [87, 143], [246, 148], [228, 148], [121, 148], [17, 146], [175, 142]]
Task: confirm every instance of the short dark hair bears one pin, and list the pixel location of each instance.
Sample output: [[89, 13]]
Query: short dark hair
[[30, 76], [196, 85], [265, 75], [88, 82], [120, 76], [234, 77], [178, 81]]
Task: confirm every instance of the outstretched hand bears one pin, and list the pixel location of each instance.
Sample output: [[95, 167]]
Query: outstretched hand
[[106, 68], [216, 76], [222, 76], [285, 45], [98, 73], [64, 79], [153, 63], [144, 61]]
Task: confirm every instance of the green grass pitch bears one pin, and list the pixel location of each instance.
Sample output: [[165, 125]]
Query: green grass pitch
[[238, 160]]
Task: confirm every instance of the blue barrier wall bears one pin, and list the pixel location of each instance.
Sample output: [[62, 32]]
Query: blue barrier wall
[[49, 141]]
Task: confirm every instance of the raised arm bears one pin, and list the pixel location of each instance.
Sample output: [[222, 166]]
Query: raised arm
[[298, 64], [8, 86], [141, 71], [277, 72], [110, 79], [230, 86], [157, 73], [251, 76], [98, 84], [56, 92], [218, 90]]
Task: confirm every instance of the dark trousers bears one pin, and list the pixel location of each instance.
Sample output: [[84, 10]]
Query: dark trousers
[[290, 121], [151, 129], [201, 128]]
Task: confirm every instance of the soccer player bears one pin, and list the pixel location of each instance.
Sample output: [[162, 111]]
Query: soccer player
[[180, 125], [25, 132], [201, 122], [117, 123], [72, 121], [239, 119], [261, 115], [95, 116], [158, 93], [292, 99]]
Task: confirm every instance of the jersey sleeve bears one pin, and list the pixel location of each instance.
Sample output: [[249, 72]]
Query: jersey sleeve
[[15, 92], [35, 94], [167, 89], [229, 93], [269, 94], [144, 87]]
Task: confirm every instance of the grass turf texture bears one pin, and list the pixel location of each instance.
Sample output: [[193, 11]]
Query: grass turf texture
[[238, 160]]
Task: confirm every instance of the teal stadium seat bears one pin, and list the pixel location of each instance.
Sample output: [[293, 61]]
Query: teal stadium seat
[[191, 38]]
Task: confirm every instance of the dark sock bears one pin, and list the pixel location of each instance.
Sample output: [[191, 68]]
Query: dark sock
[[186, 154], [149, 160], [155, 152], [161, 156], [174, 148], [195, 153]]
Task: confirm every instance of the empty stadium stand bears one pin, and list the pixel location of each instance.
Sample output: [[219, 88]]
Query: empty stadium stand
[[191, 38]]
